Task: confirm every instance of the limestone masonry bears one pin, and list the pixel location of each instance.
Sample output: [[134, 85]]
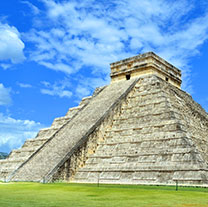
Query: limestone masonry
[[140, 129]]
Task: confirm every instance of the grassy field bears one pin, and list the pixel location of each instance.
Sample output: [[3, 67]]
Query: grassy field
[[89, 195]]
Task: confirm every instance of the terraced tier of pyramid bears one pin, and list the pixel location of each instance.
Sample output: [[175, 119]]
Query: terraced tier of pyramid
[[31, 146], [140, 129]]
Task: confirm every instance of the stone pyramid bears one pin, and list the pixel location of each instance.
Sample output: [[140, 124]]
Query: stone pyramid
[[140, 129]]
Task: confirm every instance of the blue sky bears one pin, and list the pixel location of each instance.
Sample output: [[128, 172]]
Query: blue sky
[[54, 52]]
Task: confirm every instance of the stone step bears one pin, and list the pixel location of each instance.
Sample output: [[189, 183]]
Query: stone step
[[134, 115], [137, 125], [13, 163], [150, 108], [145, 103], [35, 142], [120, 151], [28, 149], [141, 161], [146, 129], [128, 167], [59, 122], [72, 111], [143, 118], [25, 151], [8, 169], [171, 142], [2, 161], [143, 158], [47, 132], [137, 97], [85, 101], [163, 177], [22, 153], [141, 145], [15, 160], [149, 136], [4, 174]]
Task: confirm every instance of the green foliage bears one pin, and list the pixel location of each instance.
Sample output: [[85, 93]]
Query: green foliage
[[89, 195]]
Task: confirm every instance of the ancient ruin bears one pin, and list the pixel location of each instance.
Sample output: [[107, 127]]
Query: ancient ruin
[[140, 129]]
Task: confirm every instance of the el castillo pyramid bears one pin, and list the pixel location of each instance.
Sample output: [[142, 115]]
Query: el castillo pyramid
[[140, 129]]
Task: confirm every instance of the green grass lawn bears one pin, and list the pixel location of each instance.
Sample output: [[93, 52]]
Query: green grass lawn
[[89, 195]]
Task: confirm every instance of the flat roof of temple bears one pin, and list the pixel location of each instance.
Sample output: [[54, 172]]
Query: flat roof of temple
[[143, 56]]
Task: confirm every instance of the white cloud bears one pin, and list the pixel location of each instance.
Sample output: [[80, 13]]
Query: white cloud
[[57, 66], [57, 92], [25, 85], [95, 33], [5, 98], [13, 132], [34, 9], [57, 89], [11, 46], [87, 86], [5, 66], [82, 91]]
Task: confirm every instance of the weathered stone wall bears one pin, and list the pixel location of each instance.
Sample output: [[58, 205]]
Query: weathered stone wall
[[194, 119], [145, 140], [143, 64]]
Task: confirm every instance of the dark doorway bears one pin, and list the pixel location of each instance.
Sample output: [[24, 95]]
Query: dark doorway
[[128, 76]]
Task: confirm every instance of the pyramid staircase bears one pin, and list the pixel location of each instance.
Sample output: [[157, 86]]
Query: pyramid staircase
[[31, 146], [41, 166]]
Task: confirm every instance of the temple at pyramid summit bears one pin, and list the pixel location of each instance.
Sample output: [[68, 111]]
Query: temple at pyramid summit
[[140, 129]]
